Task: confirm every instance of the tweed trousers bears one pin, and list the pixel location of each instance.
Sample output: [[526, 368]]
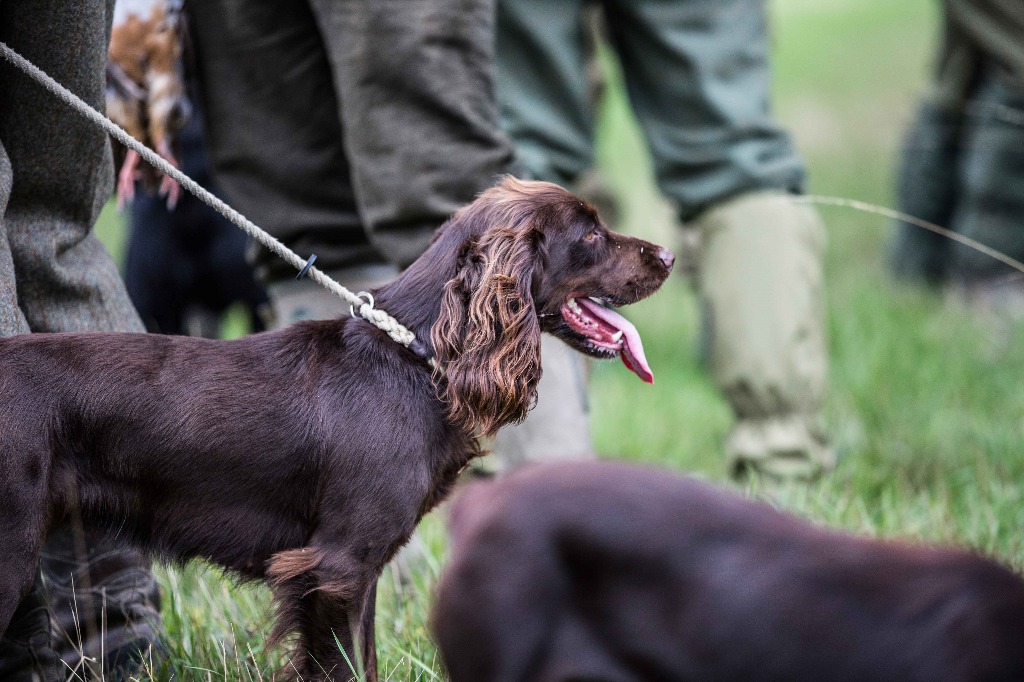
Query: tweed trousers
[[55, 175]]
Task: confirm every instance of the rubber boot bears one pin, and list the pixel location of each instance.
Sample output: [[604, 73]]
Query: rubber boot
[[760, 281], [105, 605]]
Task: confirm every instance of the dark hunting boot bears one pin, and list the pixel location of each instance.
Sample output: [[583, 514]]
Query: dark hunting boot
[[105, 606], [26, 650]]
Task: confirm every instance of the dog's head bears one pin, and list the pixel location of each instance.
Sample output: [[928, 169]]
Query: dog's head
[[532, 257]]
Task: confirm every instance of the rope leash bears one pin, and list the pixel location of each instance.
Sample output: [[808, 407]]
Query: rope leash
[[907, 218], [361, 303]]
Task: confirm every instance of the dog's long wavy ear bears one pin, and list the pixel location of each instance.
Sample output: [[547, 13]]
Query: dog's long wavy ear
[[487, 337]]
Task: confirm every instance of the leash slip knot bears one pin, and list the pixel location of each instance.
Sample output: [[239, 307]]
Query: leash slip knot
[[366, 309], [389, 325], [380, 319]]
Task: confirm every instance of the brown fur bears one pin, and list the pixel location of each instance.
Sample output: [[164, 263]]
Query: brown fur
[[305, 456], [605, 571], [488, 336]]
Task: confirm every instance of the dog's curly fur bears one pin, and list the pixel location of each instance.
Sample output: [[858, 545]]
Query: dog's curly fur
[[487, 338], [305, 456]]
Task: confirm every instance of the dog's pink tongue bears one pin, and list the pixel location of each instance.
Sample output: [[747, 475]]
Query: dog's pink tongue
[[632, 352]]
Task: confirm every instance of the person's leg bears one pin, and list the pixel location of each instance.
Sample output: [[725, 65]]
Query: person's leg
[[762, 298], [698, 78], [155, 268], [414, 80], [184, 267], [547, 107], [697, 73], [423, 136], [550, 85], [26, 647], [927, 188], [543, 89], [65, 279], [990, 206], [273, 130], [12, 320], [105, 604], [928, 179]]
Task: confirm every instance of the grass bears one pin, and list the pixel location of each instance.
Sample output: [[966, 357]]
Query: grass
[[924, 405]]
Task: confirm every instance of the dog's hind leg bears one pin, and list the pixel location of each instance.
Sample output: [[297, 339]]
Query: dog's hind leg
[[368, 610], [327, 599]]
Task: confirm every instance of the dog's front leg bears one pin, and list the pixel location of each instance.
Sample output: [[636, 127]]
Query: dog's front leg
[[22, 525]]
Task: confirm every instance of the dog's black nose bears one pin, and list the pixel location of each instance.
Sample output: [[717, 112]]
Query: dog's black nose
[[666, 257]]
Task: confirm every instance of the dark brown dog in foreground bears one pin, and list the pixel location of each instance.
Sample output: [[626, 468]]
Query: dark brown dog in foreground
[[612, 572], [306, 456]]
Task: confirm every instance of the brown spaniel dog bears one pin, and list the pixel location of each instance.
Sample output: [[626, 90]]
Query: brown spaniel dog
[[618, 573], [306, 456]]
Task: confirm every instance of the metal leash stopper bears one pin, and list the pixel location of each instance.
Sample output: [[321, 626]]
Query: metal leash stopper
[[369, 302]]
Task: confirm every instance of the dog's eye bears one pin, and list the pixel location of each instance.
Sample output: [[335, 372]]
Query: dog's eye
[[591, 236]]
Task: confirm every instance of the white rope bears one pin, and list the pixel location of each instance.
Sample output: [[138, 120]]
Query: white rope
[[907, 218], [378, 318]]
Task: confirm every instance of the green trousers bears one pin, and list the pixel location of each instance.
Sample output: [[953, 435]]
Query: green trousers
[[698, 79]]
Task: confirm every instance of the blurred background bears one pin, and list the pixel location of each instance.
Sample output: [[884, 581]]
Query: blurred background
[[924, 405]]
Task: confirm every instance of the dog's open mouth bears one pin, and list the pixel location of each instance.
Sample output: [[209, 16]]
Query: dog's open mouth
[[609, 333]]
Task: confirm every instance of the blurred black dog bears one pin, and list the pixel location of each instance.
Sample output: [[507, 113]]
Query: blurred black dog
[[185, 266], [609, 572]]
